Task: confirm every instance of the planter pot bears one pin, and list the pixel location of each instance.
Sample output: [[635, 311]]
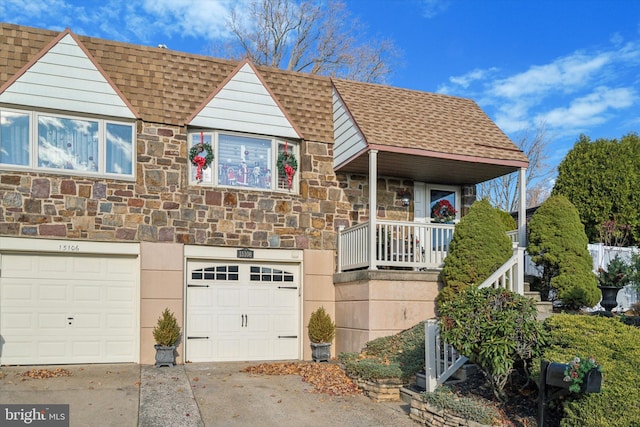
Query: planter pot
[[321, 352], [165, 355], [609, 297]]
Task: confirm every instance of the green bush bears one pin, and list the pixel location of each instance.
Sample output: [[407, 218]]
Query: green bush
[[591, 177], [444, 399], [369, 369], [618, 273], [507, 220], [478, 248], [166, 332], [397, 356], [616, 347], [557, 242], [321, 327], [494, 328]]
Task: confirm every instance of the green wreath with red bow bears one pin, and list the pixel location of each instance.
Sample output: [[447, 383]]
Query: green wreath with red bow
[[200, 161], [287, 165]]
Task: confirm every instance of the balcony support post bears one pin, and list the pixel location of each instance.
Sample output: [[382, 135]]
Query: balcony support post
[[373, 207], [522, 208]]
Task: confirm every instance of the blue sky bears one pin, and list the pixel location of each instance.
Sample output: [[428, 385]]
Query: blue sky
[[572, 65]]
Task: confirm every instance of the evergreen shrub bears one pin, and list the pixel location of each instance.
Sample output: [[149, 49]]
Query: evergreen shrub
[[558, 243], [397, 356], [321, 327], [166, 332], [616, 347], [479, 247]]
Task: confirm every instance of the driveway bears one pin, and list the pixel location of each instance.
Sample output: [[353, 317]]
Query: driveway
[[197, 394]]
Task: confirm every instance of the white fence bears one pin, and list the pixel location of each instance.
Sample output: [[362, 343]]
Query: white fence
[[601, 256]]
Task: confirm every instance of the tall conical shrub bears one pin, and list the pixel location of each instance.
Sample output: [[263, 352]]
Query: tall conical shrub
[[479, 247], [558, 243]]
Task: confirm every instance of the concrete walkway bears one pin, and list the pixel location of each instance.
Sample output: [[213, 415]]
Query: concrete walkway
[[196, 394]]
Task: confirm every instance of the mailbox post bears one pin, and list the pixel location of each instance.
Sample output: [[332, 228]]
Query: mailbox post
[[552, 384]]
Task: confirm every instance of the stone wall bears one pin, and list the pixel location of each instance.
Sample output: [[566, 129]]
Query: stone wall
[[160, 206]]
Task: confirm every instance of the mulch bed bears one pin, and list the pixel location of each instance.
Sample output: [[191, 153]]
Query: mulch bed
[[521, 407]]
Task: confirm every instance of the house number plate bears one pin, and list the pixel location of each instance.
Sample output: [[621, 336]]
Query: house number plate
[[245, 253]]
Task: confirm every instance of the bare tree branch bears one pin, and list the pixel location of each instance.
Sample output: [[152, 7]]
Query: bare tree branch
[[502, 192], [308, 36]]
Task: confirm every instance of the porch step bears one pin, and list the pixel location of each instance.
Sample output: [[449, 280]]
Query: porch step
[[545, 309], [535, 295]]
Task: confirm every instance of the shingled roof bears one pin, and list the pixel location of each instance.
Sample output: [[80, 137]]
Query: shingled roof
[[394, 117], [166, 86]]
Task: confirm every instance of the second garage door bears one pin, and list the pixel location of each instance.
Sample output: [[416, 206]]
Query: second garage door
[[68, 309], [242, 311]]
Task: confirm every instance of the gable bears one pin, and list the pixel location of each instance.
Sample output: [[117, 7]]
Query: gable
[[244, 103], [348, 140], [65, 77]]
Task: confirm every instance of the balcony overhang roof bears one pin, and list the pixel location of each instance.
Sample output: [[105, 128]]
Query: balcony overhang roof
[[436, 168]]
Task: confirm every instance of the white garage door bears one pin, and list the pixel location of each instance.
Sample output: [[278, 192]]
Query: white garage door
[[68, 309], [242, 311]]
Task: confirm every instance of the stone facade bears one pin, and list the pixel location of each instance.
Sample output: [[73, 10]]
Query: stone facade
[[161, 207]]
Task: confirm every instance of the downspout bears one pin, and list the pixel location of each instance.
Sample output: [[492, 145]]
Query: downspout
[[373, 207]]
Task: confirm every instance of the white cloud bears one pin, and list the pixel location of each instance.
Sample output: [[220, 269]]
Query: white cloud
[[431, 8], [591, 109], [565, 74]]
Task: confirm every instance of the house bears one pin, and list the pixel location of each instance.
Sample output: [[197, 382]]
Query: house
[[135, 178]]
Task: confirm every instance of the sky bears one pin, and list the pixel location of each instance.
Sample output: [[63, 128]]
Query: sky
[[571, 66]]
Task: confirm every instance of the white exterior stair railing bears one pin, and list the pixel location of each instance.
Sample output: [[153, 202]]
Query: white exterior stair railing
[[441, 359], [510, 276]]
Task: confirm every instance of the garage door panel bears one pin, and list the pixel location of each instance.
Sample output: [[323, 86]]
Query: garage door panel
[[285, 298], [227, 297], [259, 297], [50, 322], [65, 309], [15, 294], [228, 323], [283, 347], [87, 349]]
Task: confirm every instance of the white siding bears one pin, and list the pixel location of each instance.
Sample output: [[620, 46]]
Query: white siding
[[245, 105], [66, 79], [348, 140]]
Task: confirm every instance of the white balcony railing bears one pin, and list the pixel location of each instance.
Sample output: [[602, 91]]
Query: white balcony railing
[[408, 245]]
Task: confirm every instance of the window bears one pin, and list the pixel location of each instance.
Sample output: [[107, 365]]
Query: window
[[440, 193], [243, 161], [52, 142]]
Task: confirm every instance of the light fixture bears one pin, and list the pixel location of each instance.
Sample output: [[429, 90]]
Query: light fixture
[[405, 196]]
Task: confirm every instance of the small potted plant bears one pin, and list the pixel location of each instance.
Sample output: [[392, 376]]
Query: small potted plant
[[321, 333], [166, 334], [610, 281]]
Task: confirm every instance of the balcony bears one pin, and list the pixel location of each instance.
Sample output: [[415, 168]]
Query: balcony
[[398, 245]]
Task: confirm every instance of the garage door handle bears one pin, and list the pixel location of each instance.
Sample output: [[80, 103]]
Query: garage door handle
[[243, 318], [197, 338], [197, 286], [287, 287], [287, 336]]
